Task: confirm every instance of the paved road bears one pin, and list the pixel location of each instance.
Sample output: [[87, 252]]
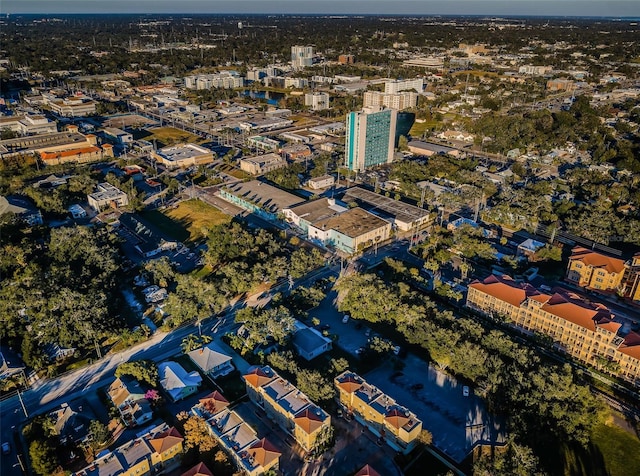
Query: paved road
[[46, 394]]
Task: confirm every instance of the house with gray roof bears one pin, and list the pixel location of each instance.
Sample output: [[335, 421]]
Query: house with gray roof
[[176, 381], [212, 360]]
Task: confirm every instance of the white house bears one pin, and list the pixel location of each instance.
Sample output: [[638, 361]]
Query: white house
[[176, 381]]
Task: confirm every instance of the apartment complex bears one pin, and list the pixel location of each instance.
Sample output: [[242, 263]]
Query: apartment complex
[[224, 79], [585, 330], [394, 87], [317, 101], [370, 138], [301, 56], [590, 269], [396, 425], [402, 100], [252, 455], [157, 452], [287, 406]]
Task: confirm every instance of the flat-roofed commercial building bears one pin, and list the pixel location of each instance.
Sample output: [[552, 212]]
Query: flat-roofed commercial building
[[307, 213], [73, 107], [370, 138], [260, 198], [381, 414], [351, 231], [318, 183], [183, 155], [583, 329], [28, 125], [107, 195], [405, 217], [261, 164], [56, 148], [291, 409]]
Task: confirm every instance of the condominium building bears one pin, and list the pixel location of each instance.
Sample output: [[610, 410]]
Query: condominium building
[[317, 101], [632, 278], [254, 456], [159, 451], [394, 87], [224, 79], [301, 56], [381, 414], [370, 138], [287, 406], [594, 270], [399, 101], [583, 329]]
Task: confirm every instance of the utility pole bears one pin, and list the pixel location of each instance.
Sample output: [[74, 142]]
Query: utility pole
[[24, 409]]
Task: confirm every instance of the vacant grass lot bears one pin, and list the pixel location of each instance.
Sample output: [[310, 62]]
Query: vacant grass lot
[[165, 136], [196, 216], [620, 450]]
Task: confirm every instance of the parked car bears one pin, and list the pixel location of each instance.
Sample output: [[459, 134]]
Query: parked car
[[6, 448], [345, 319], [465, 391]]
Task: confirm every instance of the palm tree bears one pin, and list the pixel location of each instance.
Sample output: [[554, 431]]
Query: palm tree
[[189, 343]]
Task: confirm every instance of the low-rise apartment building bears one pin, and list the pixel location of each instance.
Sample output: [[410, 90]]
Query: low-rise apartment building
[[590, 269], [287, 406], [252, 455], [583, 329], [157, 452], [395, 424]]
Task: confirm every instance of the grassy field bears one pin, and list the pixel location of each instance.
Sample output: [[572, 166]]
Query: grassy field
[[419, 128], [620, 450], [169, 135], [195, 216]]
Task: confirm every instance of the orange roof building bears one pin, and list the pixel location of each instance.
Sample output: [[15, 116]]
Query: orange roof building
[[398, 426], [198, 470], [367, 471], [594, 270], [583, 329], [286, 405]]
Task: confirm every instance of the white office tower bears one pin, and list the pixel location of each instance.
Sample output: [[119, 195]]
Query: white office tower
[[301, 56]]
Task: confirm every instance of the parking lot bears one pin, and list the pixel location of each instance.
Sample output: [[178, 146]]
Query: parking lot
[[457, 423]]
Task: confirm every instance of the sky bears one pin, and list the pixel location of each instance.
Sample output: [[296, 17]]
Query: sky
[[614, 8]]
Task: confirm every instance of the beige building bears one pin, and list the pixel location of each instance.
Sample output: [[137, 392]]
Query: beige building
[[73, 107], [183, 155], [261, 164], [287, 406], [399, 101], [381, 414], [590, 269], [351, 231], [107, 195], [55, 148], [585, 330]]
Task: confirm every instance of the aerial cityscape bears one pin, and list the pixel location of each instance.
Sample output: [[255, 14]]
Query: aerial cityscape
[[341, 239]]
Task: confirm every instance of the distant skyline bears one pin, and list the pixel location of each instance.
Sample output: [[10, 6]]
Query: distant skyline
[[575, 8]]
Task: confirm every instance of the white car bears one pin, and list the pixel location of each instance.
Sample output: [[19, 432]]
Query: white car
[[345, 319], [465, 391]]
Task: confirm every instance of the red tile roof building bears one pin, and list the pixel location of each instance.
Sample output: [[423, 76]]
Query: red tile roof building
[[585, 330], [595, 270]]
